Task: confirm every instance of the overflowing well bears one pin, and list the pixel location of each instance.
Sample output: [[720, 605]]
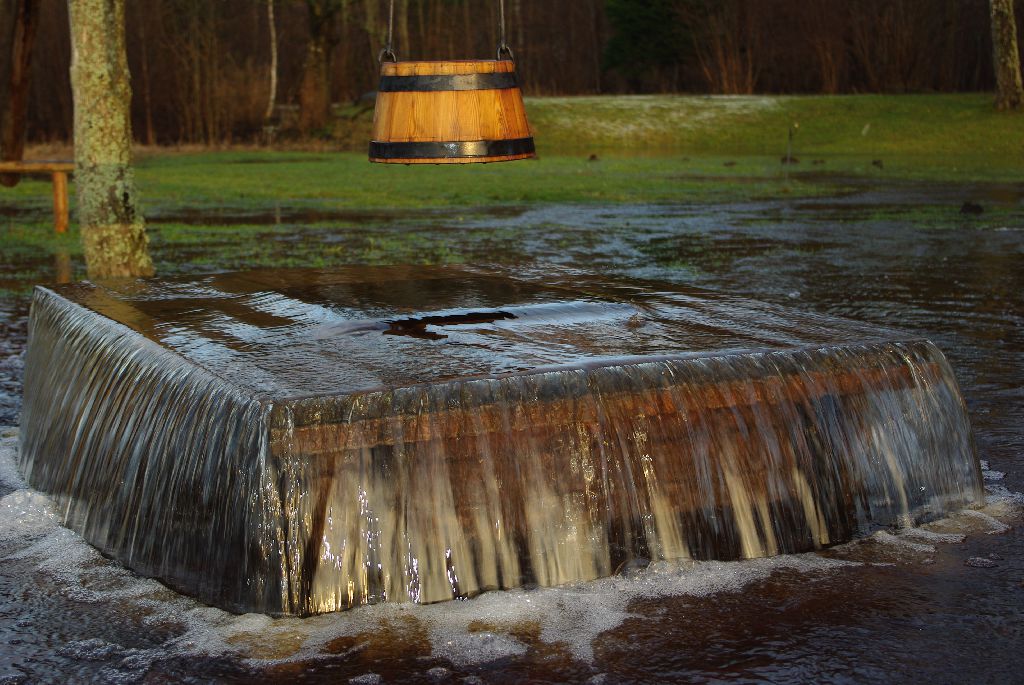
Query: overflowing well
[[296, 442]]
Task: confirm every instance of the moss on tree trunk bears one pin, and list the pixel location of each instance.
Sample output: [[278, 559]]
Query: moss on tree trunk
[[1006, 56], [113, 231]]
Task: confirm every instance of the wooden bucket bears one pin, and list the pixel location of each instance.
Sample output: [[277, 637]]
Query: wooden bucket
[[450, 113]]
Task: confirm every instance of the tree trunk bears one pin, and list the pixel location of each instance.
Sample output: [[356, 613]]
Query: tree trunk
[[272, 99], [113, 233], [7, 15], [1006, 57], [147, 100], [315, 87], [15, 118]]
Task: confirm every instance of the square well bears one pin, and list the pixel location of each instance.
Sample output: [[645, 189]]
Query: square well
[[301, 441]]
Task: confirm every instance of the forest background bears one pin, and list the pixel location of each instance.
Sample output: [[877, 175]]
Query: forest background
[[235, 71]]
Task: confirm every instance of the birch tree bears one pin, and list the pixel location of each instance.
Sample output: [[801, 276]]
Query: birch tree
[[268, 115], [113, 232], [1006, 56]]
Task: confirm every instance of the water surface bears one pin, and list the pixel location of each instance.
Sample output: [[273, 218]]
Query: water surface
[[890, 609]]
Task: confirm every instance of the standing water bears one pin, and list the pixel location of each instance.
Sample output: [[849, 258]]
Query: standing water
[[297, 442]]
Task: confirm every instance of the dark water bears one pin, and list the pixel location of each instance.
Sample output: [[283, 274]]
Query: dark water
[[898, 607]]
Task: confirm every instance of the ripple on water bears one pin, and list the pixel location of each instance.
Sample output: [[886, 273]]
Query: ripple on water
[[964, 621]]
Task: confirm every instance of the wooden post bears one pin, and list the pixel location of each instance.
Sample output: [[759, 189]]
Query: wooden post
[[58, 172], [60, 201], [62, 266]]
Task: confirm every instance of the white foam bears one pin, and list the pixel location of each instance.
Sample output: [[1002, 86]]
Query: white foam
[[887, 538], [570, 617], [991, 524], [367, 679], [990, 475], [573, 617], [485, 629], [26, 515], [933, 536], [93, 649], [1002, 498], [438, 673], [463, 647], [481, 630], [9, 475]]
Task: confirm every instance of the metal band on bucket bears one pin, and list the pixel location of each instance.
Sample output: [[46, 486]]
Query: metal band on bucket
[[444, 150], [441, 82]]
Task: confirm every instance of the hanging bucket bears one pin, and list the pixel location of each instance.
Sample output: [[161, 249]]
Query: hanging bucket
[[450, 113]]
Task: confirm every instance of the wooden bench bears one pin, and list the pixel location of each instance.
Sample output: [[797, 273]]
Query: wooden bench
[[58, 171]]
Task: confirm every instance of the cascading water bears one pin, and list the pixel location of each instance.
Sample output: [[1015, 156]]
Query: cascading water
[[303, 442]]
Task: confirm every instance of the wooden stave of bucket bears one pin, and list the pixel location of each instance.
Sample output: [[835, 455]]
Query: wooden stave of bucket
[[450, 112]]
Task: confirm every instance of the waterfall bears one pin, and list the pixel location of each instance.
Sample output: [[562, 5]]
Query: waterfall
[[166, 423]]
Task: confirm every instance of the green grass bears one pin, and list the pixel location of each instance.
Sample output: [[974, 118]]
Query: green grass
[[948, 137], [953, 137], [260, 181], [347, 180], [649, 149]]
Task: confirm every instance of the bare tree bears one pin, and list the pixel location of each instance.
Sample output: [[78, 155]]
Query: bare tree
[[14, 118], [272, 25], [113, 233], [823, 26], [315, 88], [727, 46], [202, 68], [147, 90], [6, 37], [1006, 57]]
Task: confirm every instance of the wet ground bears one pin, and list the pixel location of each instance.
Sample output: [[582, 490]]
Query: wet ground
[[892, 609]]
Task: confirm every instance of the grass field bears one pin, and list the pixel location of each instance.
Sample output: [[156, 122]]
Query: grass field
[[949, 137], [646, 149]]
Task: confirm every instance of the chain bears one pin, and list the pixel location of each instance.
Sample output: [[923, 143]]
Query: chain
[[503, 47], [388, 51]]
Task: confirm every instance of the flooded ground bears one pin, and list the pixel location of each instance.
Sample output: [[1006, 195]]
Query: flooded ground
[[942, 605]]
